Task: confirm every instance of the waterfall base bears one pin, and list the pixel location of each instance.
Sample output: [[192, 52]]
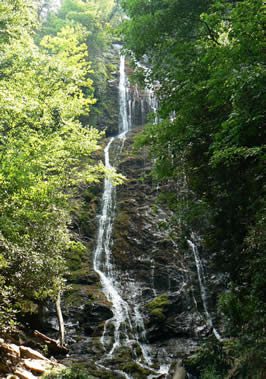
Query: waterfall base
[[157, 280]]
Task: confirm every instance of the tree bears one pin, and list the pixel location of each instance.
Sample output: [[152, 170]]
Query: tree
[[207, 61], [46, 153]]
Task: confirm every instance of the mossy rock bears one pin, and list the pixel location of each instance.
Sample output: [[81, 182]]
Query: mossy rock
[[71, 373], [75, 255], [80, 294], [158, 306], [133, 368], [83, 276], [74, 296], [124, 354], [122, 218]]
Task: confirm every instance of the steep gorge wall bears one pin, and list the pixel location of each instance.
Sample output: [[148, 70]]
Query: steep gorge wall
[[158, 277]]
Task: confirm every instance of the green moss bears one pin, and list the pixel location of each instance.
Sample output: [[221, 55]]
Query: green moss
[[158, 302], [81, 293], [133, 367], [157, 306], [123, 355], [158, 313], [75, 373], [74, 275], [75, 254], [73, 297], [122, 218], [210, 360]]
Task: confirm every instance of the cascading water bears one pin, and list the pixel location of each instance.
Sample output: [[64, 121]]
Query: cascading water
[[123, 95], [102, 256], [126, 327], [202, 284], [55, 5], [52, 6]]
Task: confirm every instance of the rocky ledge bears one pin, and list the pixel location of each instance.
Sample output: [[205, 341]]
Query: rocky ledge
[[21, 362]]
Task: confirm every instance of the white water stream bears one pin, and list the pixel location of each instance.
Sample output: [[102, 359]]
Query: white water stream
[[102, 256], [49, 7], [55, 5], [127, 324], [202, 285]]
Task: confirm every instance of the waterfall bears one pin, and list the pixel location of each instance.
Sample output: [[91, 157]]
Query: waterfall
[[153, 103], [54, 5], [123, 112], [202, 285], [127, 324], [51, 6], [102, 256]]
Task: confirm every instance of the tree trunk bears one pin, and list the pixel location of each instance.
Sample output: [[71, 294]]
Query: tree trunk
[[60, 319], [53, 346]]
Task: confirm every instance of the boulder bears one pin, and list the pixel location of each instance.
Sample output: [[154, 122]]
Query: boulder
[[180, 372], [98, 312], [27, 352], [10, 350], [15, 349], [9, 356], [24, 374], [38, 366]]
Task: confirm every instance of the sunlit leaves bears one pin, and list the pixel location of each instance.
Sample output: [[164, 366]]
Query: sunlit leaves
[[17, 17], [207, 61], [45, 153]]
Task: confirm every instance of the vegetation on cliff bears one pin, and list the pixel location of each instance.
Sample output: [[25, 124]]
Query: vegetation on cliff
[[206, 64], [47, 148], [98, 19], [206, 61]]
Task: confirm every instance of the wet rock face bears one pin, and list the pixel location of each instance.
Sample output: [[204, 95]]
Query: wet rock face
[[145, 253], [95, 315], [104, 115], [152, 274], [139, 234], [166, 318], [141, 239]]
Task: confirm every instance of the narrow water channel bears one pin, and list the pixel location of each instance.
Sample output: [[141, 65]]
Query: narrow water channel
[[126, 327]]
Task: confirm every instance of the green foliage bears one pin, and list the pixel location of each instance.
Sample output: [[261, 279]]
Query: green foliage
[[74, 373], [94, 17], [46, 152], [210, 373], [230, 304], [210, 359], [208, 60], [17, 17], [97, 18]]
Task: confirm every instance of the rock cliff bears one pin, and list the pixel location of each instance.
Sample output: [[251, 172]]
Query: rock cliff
[[154, 271]]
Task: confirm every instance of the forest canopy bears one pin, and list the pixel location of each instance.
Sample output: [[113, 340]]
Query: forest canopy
[[46, 87], [206, 60]]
